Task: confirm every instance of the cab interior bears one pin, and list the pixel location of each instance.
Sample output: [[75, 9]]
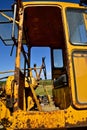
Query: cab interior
[[43, 27]]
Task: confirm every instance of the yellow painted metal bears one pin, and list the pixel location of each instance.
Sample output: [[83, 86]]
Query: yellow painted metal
[[21, 119], [62, 97], [59, 118], [75, 117], [30, 103], [5, 116], [8, 85], [72, 76], [85, 20], [39, 120], [35, 98], [80, 66], [32, 80], [4, 112], [70, 49], [55, 119], [53, 3]]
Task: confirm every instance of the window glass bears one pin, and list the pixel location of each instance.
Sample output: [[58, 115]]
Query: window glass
[[37, 53], [58, 58], [77, 26]]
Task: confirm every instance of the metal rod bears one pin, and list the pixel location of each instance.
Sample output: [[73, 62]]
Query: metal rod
[[14, 21], [4, 77], [11, 71], [9, 18]]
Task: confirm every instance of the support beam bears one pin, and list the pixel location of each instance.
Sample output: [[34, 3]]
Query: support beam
[[17, 62]]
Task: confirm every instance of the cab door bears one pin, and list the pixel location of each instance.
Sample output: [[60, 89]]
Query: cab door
[[77, 48]]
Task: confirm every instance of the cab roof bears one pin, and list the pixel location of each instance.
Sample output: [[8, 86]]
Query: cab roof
[[44, 24]]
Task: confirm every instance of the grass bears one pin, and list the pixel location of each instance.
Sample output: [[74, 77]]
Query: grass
[[44, 89]]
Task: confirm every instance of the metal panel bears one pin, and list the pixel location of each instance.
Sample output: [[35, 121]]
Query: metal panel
[[80, 76]]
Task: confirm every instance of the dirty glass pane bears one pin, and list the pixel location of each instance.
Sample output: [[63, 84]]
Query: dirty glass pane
[[77, 26], [58, 58]]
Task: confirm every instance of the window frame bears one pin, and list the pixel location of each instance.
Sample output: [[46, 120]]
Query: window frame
[[76, 43]]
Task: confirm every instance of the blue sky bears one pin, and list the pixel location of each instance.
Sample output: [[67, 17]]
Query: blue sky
[[7, 3], [6, 61]]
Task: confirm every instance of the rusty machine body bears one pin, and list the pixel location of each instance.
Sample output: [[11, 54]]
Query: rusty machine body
[[62, 27]]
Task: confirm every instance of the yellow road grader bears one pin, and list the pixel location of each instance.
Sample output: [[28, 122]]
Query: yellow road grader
[[61, 27]]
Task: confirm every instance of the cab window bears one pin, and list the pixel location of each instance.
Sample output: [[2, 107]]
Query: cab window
[[58, 58], [77, 26]]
